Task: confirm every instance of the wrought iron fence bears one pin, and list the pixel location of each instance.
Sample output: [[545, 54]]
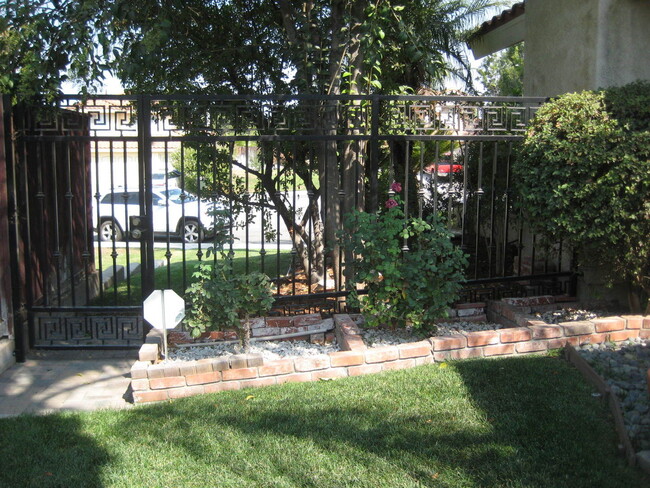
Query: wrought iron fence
[[123, 194]]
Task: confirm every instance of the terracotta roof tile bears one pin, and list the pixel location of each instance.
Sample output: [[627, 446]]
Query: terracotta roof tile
[[498, 20]]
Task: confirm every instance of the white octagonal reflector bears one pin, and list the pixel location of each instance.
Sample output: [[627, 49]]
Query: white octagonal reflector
[[163, 309]]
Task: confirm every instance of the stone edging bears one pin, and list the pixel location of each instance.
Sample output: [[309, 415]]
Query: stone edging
[[152, 382]]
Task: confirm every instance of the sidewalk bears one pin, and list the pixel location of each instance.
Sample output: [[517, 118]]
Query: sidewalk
[[51, 381]]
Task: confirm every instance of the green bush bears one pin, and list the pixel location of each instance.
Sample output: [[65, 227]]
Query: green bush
[[412, 287], [583, 175], [220, 299]]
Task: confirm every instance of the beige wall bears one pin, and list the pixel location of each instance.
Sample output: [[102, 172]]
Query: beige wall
[[625, 43], [573, 45], [559, 53]]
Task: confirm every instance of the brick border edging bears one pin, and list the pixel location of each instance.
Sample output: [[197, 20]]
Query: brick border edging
[[158, 382]]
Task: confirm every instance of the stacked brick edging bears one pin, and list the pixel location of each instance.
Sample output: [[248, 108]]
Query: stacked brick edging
[[157, 382]]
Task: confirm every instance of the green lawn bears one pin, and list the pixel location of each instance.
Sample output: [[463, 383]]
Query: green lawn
[[515, 422], [177, 274]]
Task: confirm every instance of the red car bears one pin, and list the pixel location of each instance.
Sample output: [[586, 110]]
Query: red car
[[444, 168]]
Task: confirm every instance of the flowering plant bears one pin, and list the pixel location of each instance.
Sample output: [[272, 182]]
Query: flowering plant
[[409, 268]]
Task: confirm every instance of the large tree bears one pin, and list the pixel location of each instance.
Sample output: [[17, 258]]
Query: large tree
[[502, 73], [260, 47]]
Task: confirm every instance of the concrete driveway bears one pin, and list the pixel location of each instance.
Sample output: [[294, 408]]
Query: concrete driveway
[[51, 381]]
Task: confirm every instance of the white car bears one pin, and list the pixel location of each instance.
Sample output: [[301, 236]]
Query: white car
[[175, 214]]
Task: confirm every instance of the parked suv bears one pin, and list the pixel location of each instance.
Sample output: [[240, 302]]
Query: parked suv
[[181, 216]]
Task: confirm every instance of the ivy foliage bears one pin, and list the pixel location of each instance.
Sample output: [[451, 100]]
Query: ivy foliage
[[220, 299], [583, 175], [402, 287]]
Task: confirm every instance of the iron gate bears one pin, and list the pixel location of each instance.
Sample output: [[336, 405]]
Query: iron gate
[[118, 195]]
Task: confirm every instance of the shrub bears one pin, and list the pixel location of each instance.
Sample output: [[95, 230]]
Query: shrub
[[404, 287], [220, 299], [583, 175]]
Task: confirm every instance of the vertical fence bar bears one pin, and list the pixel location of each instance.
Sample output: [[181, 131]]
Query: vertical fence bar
[[231, 193], [86, 254], [311, 194], [126, 220], [294, 203], [506, 217], [98, 197], [113, 196], [146, 207], [183, 197], [199, 197], [435, 179], [373, 203], [407, 161], [278, 198], [57, 236], [420, 180], [168, 251], [477, 225], [40, 198], [463, 245], [493, 191], [247, 208], [262, 251], [69, 195]]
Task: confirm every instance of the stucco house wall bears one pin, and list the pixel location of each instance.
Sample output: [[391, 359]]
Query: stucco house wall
[[573, 45], [626, 42], [560, 46]]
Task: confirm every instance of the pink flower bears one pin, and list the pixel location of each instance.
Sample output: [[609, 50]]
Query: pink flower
[[390, 203], [396, 187]]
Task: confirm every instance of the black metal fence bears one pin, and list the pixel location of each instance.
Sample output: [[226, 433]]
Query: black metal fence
[[119, 195]]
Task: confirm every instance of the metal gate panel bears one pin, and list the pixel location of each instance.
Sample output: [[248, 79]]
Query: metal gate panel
[[74, 169]]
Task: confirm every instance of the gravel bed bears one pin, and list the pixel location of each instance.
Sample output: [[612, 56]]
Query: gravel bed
[[569, 315], [385, 337], [624, 367], [270, 350]]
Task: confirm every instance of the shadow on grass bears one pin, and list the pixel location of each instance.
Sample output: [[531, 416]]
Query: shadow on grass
[[525, 422], [49, 451]]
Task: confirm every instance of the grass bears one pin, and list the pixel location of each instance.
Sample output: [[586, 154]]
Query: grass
[[514, 422], [177, 274]]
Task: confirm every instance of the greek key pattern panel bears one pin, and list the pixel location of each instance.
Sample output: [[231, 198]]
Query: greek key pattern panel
[[455, 117], [284, 116], [63, 329], [101, 117]]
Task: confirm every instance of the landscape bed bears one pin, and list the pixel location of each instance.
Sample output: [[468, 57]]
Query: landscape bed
[[153, 380]]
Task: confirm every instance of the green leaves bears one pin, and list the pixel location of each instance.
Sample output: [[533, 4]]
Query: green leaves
[[411, 287], [583, 175], [220, 299]]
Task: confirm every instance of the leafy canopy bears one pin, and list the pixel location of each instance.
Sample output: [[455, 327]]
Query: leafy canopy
[[502, 73]]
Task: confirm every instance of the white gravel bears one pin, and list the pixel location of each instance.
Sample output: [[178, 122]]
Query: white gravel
[[270, 350], [378, 337]]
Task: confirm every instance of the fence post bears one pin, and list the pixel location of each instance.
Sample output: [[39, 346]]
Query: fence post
[[11, 293], [146, 187]]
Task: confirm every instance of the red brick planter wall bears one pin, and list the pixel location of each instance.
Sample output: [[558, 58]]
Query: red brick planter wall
[[157, 382]]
